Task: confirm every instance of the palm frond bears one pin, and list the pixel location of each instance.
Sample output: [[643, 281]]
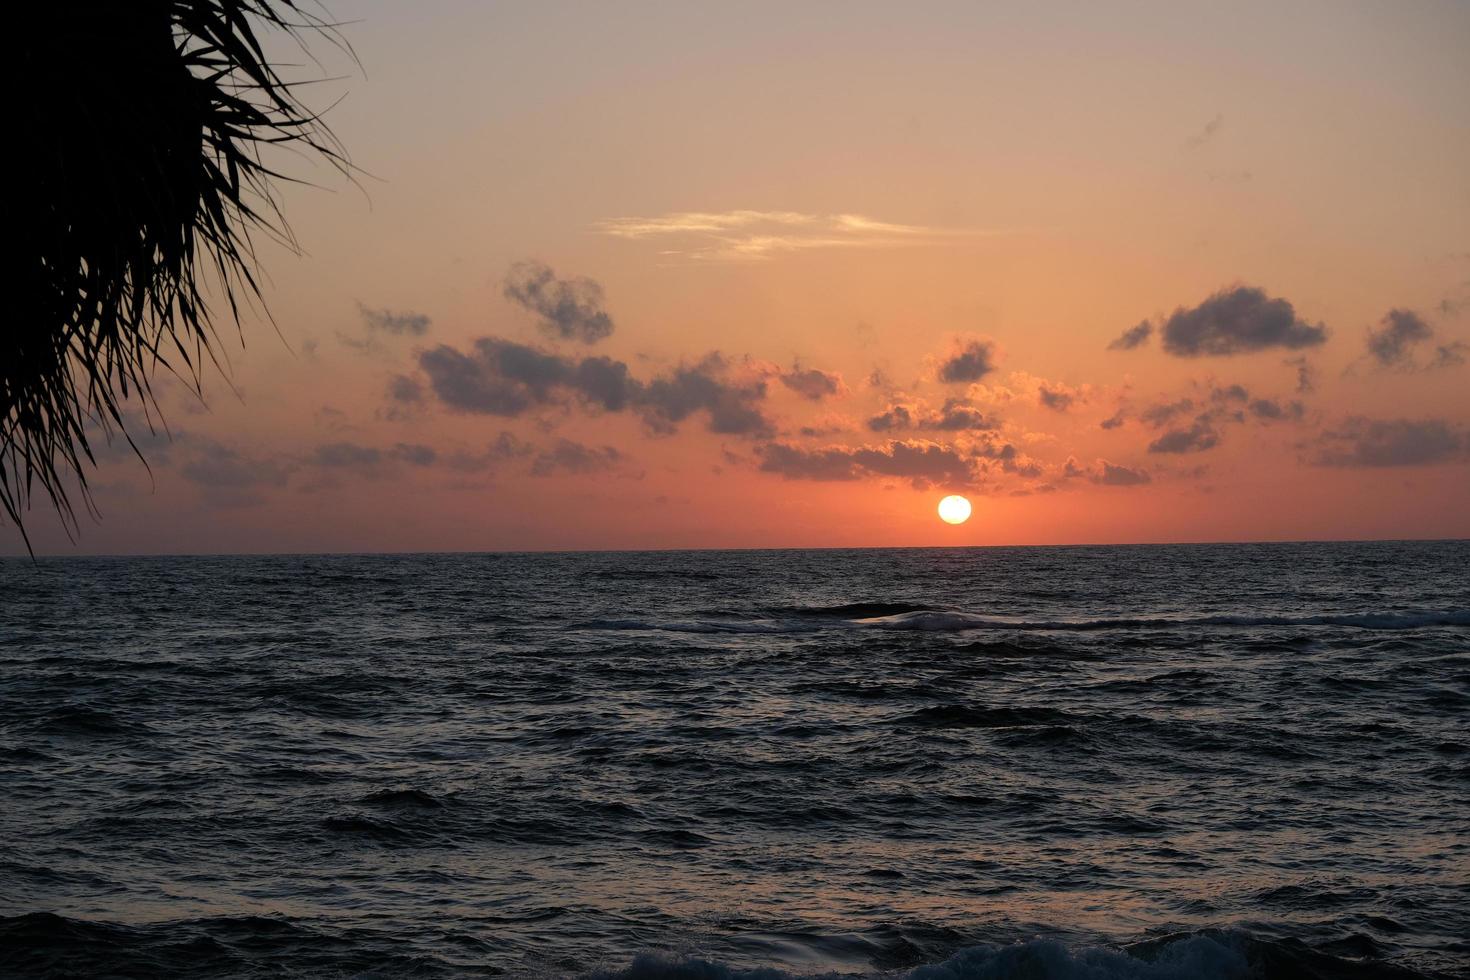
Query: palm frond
[[135, 179]]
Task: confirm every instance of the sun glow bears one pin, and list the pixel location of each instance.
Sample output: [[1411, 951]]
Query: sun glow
[[954, 509]]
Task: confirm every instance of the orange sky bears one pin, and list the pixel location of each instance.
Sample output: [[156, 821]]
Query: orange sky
[[910, 236]]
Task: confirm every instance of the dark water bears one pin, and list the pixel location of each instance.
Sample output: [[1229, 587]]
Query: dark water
[[1150, 762]]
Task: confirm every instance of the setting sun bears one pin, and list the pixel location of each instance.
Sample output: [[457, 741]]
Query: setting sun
[[954, 509]]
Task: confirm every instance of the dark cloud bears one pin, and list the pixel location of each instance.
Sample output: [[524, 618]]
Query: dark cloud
[[924, 464], [1197, 438], [731, 406], [230, 478], [893, 418], [573, 457], [1006, 457], [347, 455], [139, 435], [1392, 442], [605, 383], [1399, 334], [1306, 374], [405, 390], [1112, 475], [956, 415], [971, 362], [1135, 336], [1449, 355], [505, 447], [416, 324], [1392, 345], [1114, 421], [1229, 393], [1165, 412], [508, 379], [1055, 397], [414, 454], [1238, 321], [473, 383], [499, 378], [1271, 410], [829, 427], [363, 345], [570, 309], [813, 383], [795, 463]]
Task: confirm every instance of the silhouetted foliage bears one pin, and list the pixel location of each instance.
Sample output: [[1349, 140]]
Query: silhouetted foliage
[[133, 181]]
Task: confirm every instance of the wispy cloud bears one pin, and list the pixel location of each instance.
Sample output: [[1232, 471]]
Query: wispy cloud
[[735, 235]]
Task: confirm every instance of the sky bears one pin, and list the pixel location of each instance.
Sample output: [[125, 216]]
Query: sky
[[671, 275]]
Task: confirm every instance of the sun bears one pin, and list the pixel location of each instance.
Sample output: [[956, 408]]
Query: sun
[[954, 509]]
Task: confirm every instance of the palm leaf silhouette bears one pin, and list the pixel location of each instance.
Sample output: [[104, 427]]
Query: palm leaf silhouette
[[137, 171]]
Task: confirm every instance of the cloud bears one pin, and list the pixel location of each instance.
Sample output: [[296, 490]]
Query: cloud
[[570, 309], [370, 461], [574, 458], [1400, 332], [501, 377], [1195, 439], [387, 321], [1199, 139], [1135, 336], [1449, 355], [795, 463], [924, 464], [705, 386], [971, 361], [605, 383], [505, 447], [829, 424], [228, 477], [1055, 396], [1271, 410], [347, 455], [405, 390], [812, 383], [1215, 407], [1114, 421], [1165, 412], [1392, 442], [956, 415], [1238, 320], [1393, 344], [1114, 475], [1306, 374], [748, 234], [414, 454]]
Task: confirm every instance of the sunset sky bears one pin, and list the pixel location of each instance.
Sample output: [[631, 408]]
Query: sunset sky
[[772, 274]]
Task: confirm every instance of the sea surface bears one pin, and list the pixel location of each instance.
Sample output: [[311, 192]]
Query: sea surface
[[1218, 761]]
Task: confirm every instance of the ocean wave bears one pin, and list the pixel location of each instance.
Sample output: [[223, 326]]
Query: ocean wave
[[42, 944], [821, 618], [1203, 955]]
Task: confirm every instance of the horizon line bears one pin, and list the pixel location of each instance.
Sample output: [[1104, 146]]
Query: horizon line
[[646, 551]]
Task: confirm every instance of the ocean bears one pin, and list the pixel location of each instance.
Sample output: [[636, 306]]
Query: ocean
[[1192, 761]]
